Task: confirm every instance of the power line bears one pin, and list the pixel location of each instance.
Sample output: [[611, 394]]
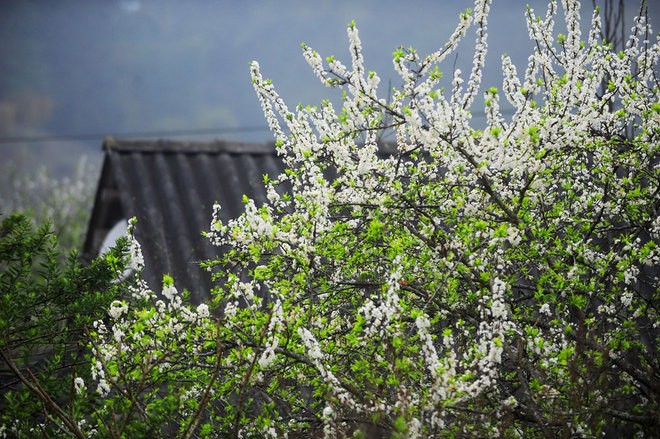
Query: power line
[[160, 133], [96, 136]]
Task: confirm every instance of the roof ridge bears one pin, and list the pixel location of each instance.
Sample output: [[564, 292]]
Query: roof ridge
[[163, 146]]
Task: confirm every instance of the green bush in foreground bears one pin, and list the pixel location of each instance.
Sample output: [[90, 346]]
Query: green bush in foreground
[[45, 307]]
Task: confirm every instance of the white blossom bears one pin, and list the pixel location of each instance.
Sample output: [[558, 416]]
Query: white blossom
[[79, 385], [203, 311], [117, 309], [545, 309]]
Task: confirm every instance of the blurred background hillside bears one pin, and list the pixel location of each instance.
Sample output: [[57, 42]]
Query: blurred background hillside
[[73, 71]]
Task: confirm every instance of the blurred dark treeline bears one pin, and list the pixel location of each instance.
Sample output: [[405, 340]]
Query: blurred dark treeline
[[76, 70]]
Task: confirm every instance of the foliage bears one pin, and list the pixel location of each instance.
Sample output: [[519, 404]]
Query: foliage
[[62, 372], [45, 304], [457, 282]]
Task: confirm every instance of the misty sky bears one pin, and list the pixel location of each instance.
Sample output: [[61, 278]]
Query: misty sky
[[151, 68]]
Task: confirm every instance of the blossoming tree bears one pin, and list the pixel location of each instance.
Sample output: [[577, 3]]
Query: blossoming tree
[[454, 281]]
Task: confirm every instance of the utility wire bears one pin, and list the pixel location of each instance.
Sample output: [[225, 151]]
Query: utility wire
[[96, 136], [160, 133]]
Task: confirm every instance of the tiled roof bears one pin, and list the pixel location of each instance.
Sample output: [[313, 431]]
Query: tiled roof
[[170, 187]]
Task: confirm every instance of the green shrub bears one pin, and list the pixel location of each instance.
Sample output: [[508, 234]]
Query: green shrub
[[47, 302]]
